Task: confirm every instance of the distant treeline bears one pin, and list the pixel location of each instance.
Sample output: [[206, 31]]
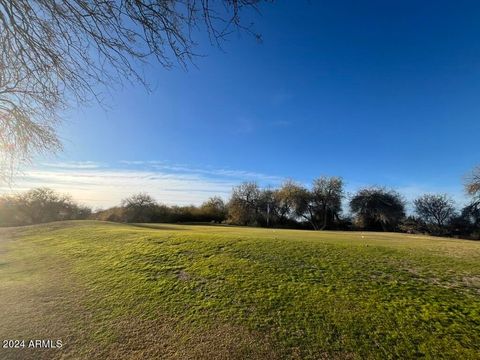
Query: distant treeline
[[39, 205], [291, 205]]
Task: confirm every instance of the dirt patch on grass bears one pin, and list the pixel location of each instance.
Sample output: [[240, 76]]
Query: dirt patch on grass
[[183, 275], [472, 282], [166, 338], [455, 282]]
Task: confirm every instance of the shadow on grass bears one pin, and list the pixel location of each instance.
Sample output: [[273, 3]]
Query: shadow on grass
[[172, 227]]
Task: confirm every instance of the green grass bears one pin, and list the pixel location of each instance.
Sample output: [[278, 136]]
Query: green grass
[[188, 291]]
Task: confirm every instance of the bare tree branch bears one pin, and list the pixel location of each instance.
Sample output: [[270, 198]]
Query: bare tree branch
[[472, 184], [53, 52]]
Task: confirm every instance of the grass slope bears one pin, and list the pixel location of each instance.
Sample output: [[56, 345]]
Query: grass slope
[[177, 291]]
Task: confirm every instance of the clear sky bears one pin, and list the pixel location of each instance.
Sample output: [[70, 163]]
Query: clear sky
[[378, 92]]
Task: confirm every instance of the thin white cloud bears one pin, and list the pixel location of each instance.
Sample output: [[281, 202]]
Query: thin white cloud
[[143, 162], [74, 165], [98, 186], [234, 174]]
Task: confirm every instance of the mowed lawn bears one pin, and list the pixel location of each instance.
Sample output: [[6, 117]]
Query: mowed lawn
[[214, 292]]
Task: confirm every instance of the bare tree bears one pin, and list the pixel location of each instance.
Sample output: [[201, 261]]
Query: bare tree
[[319, 206], [471, 212], [472, 184], [37, 206], [55, 52], [327, 193], [435, 209], [139, 208]]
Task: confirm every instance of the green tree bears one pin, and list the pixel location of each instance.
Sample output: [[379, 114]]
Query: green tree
[[327, 194], [243, 207], [299, 202], [377, 208], [286, 198], [214, 209]]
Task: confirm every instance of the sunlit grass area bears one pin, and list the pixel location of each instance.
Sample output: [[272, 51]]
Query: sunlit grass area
[[189, 291]]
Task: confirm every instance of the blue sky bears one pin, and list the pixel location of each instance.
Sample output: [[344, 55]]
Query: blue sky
[[378, 92]]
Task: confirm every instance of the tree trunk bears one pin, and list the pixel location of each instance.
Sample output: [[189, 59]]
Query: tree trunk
[[324, 225]]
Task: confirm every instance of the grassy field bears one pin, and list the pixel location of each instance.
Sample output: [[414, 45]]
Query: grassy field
[[212, 292]]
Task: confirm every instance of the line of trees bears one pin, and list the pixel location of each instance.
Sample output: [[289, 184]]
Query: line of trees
[[142, 208], [291, 205], [38, 206], [370, 208]]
